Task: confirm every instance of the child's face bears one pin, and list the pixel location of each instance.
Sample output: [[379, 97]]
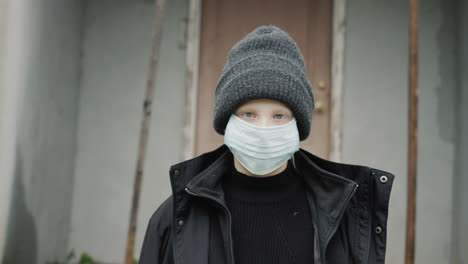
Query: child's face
[[264, 112]]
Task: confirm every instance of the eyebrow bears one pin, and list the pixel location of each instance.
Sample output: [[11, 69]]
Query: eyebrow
[[276, 109]]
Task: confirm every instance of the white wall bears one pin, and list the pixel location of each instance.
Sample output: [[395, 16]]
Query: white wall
[[40, 86], [7, 125], [376, 110], [375, 100], [117, 38]]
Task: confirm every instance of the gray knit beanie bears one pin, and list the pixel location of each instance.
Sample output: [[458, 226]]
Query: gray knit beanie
[[265, 64]]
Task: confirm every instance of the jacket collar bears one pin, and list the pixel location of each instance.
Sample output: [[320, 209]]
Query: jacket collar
[[203, 174]]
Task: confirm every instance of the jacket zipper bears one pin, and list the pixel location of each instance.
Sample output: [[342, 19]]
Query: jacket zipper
[[335, 227], [226, 211]]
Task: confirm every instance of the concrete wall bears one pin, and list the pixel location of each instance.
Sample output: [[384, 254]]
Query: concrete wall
[[117, 38], [436, 146], [40, 88], [7, 127], [460, 229], [375, 131]]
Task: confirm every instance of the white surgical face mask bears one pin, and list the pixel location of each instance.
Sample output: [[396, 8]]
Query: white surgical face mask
[[261, 150]]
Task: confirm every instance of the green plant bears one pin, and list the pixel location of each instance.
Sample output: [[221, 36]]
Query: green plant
[[85, 258]]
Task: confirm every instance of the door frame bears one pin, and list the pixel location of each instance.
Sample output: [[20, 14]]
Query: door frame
[[337, 70]]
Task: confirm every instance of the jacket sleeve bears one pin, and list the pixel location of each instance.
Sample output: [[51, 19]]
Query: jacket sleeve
[[156, 248]]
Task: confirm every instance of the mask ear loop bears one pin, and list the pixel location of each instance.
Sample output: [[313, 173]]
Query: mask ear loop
[[295, 167], [294, 163]]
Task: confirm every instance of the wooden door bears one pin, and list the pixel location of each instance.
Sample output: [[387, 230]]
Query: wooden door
[[225, 22]]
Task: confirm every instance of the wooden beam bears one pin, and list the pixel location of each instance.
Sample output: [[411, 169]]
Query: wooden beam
[[338, 54], [144, 128], [192, 72], [412, 132]]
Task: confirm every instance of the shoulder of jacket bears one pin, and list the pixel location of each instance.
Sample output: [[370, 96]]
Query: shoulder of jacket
[[162, 217]]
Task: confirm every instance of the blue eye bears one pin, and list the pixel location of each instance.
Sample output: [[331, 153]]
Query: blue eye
[[279, 116], [248, 114]]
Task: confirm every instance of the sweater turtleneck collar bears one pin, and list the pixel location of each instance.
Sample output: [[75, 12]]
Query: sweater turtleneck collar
[[274, 188]]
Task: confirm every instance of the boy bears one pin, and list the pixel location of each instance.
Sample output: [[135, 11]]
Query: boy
[[259, 198]]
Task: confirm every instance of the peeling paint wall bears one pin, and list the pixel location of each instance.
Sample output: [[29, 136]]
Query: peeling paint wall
[[116, 45], [375, 100], [7, 128], [375, 131], [436, 132], [41, 85], [460, 206]]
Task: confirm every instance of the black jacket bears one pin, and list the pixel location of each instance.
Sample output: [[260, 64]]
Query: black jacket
[[349, 205]]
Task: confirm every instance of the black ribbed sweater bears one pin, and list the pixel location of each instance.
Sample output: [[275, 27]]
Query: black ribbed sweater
[[271, 219]]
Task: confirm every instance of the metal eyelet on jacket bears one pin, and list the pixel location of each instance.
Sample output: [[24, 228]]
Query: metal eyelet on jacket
[[383, 179], [180, 222], [378, 230]]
